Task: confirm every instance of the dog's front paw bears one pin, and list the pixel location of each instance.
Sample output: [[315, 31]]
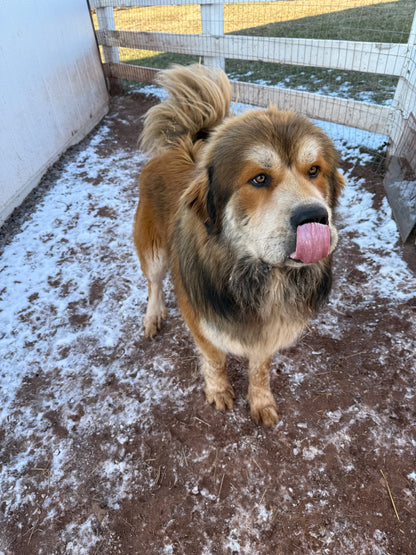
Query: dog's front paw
[[267, 416], [263, 409], [153, 322], [223, 398]]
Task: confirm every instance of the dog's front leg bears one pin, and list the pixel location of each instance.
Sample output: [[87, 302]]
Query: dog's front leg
[[263, 407], [218, 389]]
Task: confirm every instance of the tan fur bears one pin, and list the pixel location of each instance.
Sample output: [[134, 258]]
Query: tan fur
[[227, 240], [197, 100]]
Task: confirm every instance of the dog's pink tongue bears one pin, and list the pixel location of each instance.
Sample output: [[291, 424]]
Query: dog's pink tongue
[[312, 242]]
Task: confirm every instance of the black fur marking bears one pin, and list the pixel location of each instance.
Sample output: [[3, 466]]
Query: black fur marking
[[322, 290], [249, 284], [233, 291], [216, 299], [309, 287], [205, 293], [203, 135]]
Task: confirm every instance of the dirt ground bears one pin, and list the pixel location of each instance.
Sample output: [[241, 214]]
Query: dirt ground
[[82, 474]]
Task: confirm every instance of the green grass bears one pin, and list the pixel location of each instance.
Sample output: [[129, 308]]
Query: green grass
[[387, 22]]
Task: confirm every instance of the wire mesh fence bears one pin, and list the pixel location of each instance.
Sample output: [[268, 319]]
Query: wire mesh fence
[[344, 61], [337, 20]]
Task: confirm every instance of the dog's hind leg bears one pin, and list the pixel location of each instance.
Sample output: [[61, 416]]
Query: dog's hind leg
[[154, 265], [150, 246], [262, 404]]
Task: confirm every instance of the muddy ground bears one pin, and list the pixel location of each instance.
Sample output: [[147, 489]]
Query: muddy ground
[[107, 444]]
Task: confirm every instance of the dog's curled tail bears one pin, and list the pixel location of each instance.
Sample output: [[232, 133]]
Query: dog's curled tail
[[198, 99]]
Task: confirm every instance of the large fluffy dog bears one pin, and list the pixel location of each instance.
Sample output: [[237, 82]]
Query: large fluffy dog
[[240, 209]]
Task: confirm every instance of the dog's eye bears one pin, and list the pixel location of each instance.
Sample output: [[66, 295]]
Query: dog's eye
[[261, 180], [314, 171]]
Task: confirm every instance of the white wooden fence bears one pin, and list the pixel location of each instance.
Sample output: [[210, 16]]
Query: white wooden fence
[[396, 122]]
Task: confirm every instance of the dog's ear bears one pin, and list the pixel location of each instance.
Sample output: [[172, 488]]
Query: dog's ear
[[211, 210], [337, 184], [201, 198], [195, 197]]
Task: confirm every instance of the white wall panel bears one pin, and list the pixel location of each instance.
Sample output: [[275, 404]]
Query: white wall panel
[[52, 89]]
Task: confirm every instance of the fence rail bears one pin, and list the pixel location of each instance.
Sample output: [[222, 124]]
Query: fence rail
[[368, 57], [149, 3], [394, 59], [371, 117]]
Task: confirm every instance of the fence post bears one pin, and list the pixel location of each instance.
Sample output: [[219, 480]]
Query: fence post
[[105, 18], [404, 100], [399, 181], [212, 21]]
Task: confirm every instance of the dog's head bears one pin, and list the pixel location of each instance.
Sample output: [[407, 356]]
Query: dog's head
[[268, 185]]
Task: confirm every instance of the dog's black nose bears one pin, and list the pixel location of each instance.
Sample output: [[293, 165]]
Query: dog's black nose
[[308, 214]]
